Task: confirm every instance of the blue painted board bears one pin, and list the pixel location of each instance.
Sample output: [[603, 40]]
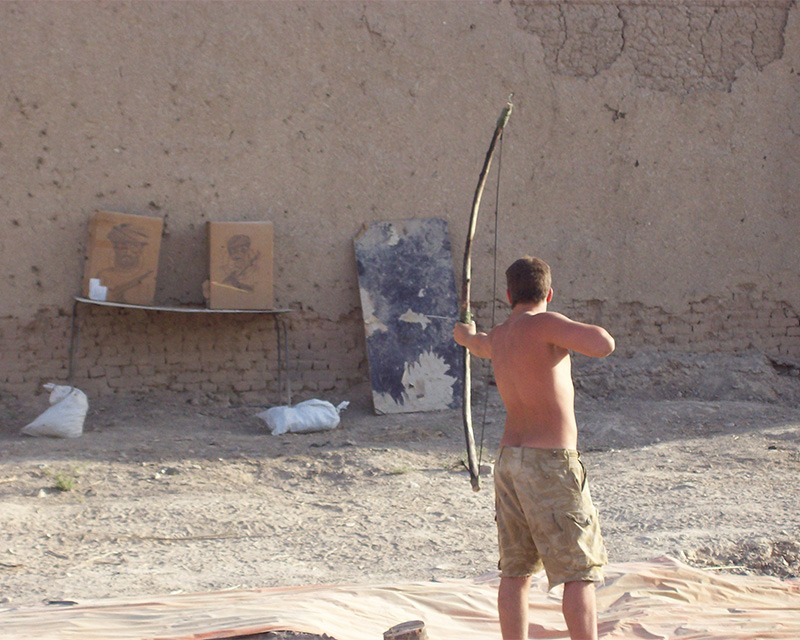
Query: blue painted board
[[409, 306]]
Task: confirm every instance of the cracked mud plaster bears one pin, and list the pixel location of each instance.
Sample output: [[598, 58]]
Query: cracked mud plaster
[[677, 47]]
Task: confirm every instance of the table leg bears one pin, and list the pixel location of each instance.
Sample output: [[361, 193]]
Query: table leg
[[283, 358], [73, 344]]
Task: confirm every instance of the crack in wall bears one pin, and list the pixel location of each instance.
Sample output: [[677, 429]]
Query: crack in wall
[[684, 47]]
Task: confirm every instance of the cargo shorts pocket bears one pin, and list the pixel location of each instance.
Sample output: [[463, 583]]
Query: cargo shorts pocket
[[578, 473], [584, 537], [583, 519]]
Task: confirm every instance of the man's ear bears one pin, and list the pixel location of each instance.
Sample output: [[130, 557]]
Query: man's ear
[[549, 296], [508, 295]]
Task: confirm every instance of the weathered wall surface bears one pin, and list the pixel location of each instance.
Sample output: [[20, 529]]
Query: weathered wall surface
[[653, 158]]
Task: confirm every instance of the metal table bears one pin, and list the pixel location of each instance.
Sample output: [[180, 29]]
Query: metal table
[[277, 315]]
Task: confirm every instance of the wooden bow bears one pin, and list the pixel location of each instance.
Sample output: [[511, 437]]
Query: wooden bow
[[465, 313]]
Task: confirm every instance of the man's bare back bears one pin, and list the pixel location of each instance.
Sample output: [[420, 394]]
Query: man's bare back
[[530, 357]]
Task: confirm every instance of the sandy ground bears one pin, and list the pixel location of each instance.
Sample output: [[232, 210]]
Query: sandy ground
[[170, 495]]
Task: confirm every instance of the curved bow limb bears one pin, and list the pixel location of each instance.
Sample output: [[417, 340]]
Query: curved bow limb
[[465, 315]]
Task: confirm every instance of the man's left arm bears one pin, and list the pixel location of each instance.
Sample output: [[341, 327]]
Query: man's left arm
[[477, 342]]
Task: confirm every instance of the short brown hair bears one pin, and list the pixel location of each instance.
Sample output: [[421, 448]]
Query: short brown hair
[[528, 280]]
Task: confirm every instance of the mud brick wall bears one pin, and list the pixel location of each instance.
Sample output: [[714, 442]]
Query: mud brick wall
[[229, 357], [712, 325], [234, 357], [653, 159]]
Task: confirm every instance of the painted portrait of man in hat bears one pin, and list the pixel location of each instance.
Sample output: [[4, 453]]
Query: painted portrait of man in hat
[[241, 267], [128, 273]]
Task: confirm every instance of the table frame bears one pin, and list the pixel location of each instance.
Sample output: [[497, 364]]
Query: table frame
[[277, 316]]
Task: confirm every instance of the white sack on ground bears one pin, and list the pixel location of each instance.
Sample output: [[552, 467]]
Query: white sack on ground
[[64, 418], [304, 417]]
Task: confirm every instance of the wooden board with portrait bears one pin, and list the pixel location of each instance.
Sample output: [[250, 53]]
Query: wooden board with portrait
[[240, 265], [122, 258]]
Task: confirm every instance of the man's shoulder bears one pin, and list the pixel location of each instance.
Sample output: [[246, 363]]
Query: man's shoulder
[[543, 327], [529, 324], [544, 318]]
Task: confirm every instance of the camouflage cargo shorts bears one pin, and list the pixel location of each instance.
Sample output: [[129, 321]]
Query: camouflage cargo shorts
[[545, 516]]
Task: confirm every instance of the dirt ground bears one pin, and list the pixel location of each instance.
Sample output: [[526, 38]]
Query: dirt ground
[[175, 494]]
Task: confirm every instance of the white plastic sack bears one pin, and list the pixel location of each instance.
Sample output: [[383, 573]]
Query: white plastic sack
[[304, 417], [64, 418]]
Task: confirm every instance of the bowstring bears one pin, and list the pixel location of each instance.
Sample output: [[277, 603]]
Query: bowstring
[[490, 375]]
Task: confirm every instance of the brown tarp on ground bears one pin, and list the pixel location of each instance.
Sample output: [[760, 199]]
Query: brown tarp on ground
[[658, 599]]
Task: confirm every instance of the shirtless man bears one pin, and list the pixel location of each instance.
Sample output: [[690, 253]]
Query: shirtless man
[[545, 515]]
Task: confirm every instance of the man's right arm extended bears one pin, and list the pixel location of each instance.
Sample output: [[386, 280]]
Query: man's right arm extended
[[587, 339]]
